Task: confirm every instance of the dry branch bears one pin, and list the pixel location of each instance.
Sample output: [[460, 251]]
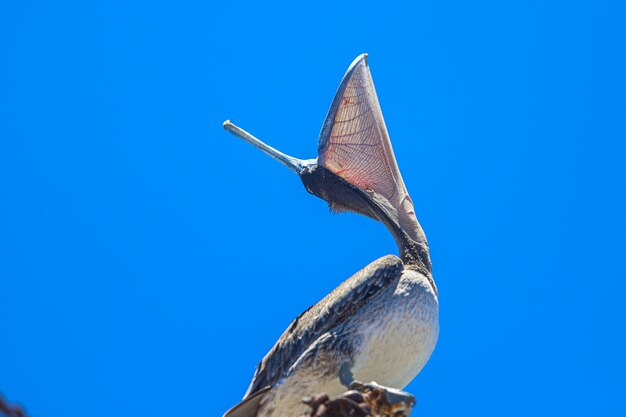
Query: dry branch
[[8, 410], [371, 403]]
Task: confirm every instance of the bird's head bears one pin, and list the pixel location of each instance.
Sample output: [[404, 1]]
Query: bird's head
[[356, 169]]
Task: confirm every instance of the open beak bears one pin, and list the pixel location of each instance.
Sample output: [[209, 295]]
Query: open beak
[[355, 153]]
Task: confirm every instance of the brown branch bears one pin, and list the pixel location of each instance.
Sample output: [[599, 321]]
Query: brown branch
[[10, 410], [371, 403]]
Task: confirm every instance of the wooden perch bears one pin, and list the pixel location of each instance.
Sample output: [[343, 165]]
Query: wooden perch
[[371, 403], [10, 410]]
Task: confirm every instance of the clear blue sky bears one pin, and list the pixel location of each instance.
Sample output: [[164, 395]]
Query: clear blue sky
[[148, 260]]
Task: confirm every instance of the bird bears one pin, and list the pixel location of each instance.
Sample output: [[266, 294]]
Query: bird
[[381, 324]]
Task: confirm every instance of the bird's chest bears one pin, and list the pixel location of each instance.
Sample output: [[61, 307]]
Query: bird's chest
[[397, 333]]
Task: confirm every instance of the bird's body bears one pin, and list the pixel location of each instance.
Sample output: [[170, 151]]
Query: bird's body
[[399, 330], [381, 324], [388, 340]]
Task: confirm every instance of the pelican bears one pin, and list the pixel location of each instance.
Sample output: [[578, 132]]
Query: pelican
[[382, 323]]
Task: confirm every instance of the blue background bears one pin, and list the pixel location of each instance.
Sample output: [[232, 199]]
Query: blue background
[[148, 260]]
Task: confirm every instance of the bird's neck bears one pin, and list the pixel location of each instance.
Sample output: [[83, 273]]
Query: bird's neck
[[406, 230]]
